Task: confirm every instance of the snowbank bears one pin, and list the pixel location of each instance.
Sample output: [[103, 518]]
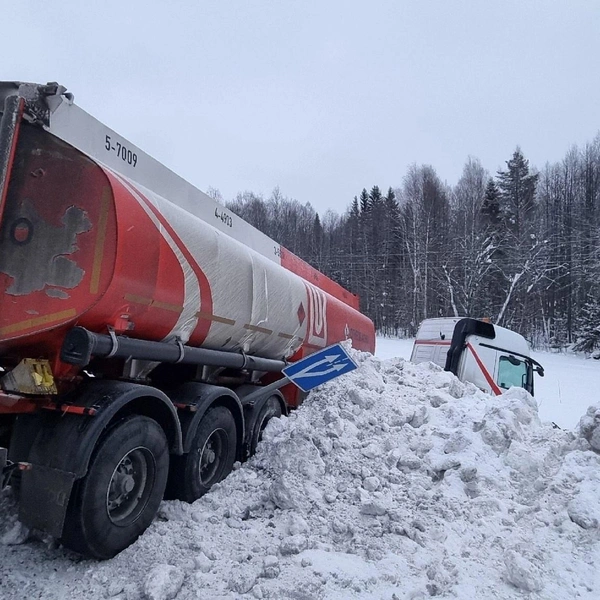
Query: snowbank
[[395, 482]]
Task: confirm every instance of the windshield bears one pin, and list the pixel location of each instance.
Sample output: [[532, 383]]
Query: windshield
[[513, 372]]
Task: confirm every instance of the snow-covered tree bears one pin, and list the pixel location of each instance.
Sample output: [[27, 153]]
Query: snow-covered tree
[[588, 333], [517, 194]]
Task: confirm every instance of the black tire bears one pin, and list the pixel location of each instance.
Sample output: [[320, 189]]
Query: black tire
[[210, 459], [271, 409], [119, 496]]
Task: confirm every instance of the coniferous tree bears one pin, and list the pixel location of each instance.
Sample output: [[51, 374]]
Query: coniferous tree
[[375, 196], [489, 214], [391, 244], [365, 203], [391, 203], [519, 257], [353, 219], [516, 186]]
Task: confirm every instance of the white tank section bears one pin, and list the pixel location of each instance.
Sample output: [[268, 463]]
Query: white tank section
[[73, 125]]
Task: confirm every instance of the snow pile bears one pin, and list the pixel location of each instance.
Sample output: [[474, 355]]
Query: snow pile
[[395, 482]]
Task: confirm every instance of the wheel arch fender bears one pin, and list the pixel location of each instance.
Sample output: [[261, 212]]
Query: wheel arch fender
[[195, 399], [58, 434], [246, 390]]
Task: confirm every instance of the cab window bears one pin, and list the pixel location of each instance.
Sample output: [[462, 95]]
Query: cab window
[[511, 372]]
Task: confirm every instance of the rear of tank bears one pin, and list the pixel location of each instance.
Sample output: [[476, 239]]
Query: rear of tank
[[57, 241]]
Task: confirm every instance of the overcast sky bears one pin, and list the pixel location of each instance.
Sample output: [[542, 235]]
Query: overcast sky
[[320, 98]]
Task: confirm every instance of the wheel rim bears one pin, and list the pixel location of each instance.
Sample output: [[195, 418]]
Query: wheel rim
[[130, 486], [211, 457]]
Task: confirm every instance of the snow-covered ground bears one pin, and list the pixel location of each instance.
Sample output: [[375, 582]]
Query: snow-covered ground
[[393, 482], [570, 384]]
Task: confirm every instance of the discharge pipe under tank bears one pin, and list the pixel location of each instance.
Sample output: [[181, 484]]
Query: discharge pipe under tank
[[80, 345]]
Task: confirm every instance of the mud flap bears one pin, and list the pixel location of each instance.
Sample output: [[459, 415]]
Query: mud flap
[[45, 494]]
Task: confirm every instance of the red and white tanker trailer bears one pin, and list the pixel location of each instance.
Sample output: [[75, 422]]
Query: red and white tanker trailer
[[142, 326]]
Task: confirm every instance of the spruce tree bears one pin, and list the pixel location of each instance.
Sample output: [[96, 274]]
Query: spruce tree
[[375, 196], [490, 209], [354, 209], [517, 193], [391, 204], [365, 201]]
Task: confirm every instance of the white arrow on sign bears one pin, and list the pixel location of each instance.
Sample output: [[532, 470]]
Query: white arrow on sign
[[310, 372]]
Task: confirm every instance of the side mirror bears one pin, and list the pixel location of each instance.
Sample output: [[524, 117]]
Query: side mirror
[[539, 371]]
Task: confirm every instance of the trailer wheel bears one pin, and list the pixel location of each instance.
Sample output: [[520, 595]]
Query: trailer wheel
[[271, 409], [210, 459], [119, 496]]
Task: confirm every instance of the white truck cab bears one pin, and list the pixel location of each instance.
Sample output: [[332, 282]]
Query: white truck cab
[[491, 357]]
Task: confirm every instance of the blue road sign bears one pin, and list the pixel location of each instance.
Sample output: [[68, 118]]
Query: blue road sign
[[320, 367]]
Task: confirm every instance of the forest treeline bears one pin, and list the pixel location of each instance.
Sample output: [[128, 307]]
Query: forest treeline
[[521, 247]]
